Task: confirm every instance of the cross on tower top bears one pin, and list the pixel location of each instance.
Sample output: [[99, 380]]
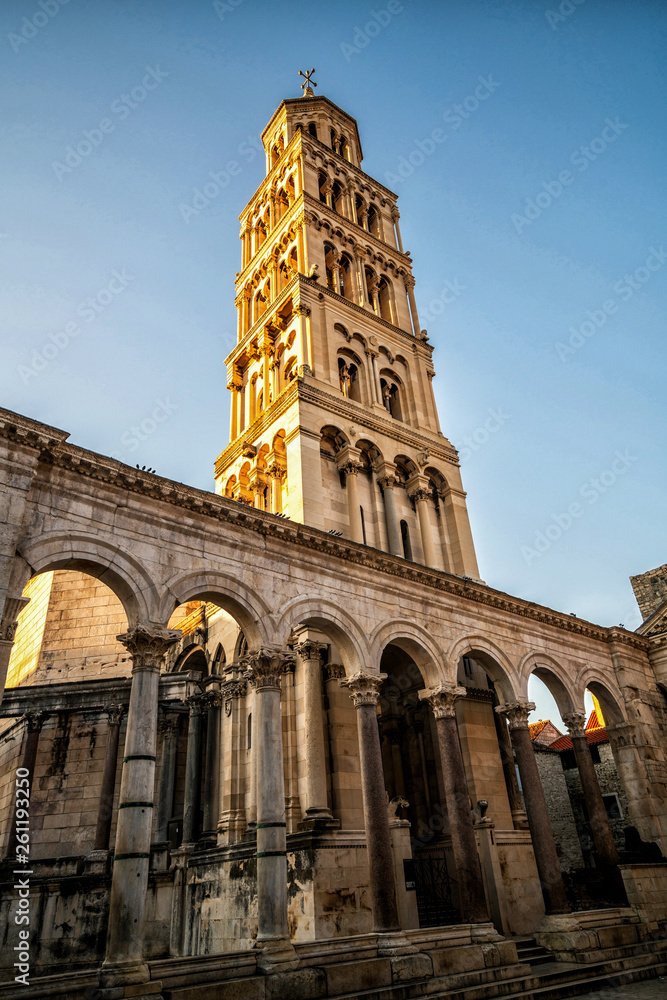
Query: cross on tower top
[[306, 86]]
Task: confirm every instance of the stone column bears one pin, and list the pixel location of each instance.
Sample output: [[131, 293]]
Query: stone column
[[105, 809], [442, 700], [519, 818], [212, 763], [546, 856], [388, 482], [265, 668], [195, 702], [168, 728], [422, 497], [292, 801], [124, 963], [310, 654], [303, 312], [351, 470], [409, 287], [395, 216], [8, 624], [597, 814], [231, 823], [277, 474], [364, 689], [34, 723]]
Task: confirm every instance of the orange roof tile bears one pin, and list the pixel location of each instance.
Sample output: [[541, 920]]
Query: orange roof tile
[[592, 735]]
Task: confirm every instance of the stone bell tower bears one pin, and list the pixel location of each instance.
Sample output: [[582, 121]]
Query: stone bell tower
[[333, 417]]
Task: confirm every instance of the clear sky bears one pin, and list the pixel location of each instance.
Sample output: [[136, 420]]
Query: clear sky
[[536, 224]]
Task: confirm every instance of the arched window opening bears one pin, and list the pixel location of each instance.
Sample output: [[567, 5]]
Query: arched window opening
[[391, 398], [346, 289], [275, 156], [338, 198], [261, 233], [218, 659], [373, 221], [260, 402], [345, 149], [290, 371], [312, 128], [323, 183], [384, 297], [348, 374], [405, 538]]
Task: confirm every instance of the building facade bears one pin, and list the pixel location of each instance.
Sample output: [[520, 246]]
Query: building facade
[[275, 731]]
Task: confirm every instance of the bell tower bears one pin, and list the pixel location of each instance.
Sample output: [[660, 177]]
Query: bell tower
[[333, 417]]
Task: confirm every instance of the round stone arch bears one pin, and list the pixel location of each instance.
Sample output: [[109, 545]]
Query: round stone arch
[[414, 640], [334, 622], [554, 675], [232, 595], [596, 680], [121, 572], [497, 664]]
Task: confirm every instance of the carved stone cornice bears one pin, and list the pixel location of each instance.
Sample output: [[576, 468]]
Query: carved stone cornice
[[147, 643], [442, 698], [517, 713], [363, 688]]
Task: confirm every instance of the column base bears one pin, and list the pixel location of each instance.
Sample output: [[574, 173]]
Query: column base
[[481, 933], [277, 955], [392, 943], [317, 819], [113, 974], [519, 819]]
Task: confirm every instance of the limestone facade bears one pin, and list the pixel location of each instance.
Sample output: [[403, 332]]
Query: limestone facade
[[269, 720]]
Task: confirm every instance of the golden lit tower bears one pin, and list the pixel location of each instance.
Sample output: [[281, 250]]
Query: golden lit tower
[[333, 418]]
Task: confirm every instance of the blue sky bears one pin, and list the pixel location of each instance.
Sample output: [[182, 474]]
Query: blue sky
[[544, 193]]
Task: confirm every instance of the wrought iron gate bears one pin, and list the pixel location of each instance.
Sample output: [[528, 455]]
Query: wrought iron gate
[[436, 891]]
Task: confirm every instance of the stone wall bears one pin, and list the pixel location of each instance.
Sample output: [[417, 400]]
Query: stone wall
[[646, 886], [560, 809], [650, 589], [68, 631]]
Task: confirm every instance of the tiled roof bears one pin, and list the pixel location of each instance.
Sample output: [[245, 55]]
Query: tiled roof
[[598, 735], [593, 721], [536, 728]]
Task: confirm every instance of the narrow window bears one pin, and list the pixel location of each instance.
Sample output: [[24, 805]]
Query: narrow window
[[249, 744], [363, 525], [405, 538], [312, 128]]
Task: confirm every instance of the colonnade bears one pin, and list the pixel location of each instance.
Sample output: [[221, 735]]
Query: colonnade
[[263, 670]]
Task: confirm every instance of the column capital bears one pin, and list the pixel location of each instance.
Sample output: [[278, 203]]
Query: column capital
[[442, 698], [114, 714], [395, 214], [333, 671], [363, 687], [8, 623], [576, 723], [517, 713], [168, 726], [409, 281], [266, 665], [35, 721], [147, 642], [308, 649]]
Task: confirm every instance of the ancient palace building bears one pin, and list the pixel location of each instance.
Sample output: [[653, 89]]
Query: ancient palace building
[[276, 737]]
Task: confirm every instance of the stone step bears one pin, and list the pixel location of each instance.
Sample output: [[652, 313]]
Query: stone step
[[587, 984]]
